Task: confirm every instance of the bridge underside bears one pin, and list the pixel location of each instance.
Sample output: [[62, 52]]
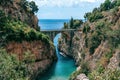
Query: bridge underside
[[53, 33]]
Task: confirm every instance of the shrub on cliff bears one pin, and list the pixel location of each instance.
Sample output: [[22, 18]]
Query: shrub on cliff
[[113, 37], [5, 2], [94, 42], [29, 6], [106, 74], [13, 69], [87, 15], [86, 29], [84, 69], [73, 24], [77, 23], [95, 16], [18, 31], [33, 6], [14, 30], [96, 13], [3, 19], [106, 5], [100, 33]]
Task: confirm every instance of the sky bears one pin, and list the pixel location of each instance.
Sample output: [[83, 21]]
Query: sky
[[65, 9]]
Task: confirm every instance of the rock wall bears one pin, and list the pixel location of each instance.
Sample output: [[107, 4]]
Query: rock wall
[[104, 54], [16, 11], [43, 54], [76, 48]]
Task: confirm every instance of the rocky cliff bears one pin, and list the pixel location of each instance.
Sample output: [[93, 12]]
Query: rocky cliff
[[19, 33], [19, 10], [43, 55], [96, 48]]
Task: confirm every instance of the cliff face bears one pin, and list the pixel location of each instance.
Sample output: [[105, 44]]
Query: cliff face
[[76, 48], [18, 35], [96, 48], [43, 54]]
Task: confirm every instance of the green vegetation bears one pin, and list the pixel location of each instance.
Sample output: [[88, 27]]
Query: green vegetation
[[11, 29], [96, 37], [3, 19], [73, 24], [86, 28], [96, 14], [84, 69], [109, 55], [13, 69], [101, 32], [29, 6], [106, 5], [114, 38], [106, 74], [74, 74], [5, 2], [33, 6], [18, 31], [77, 38], [93, 16]]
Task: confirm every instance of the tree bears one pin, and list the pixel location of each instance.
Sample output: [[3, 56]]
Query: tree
[[95, 10], [95, 16], [87, 15], [115, 3], [11, 68], [86, 29], [29, 6], [71, 22], [118, 3], [33, 6], [106, 5], [65, 25], [77, 23], [5, 2], [3, 19]]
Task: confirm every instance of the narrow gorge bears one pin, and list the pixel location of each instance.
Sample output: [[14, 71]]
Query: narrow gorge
[[59, 49], [62, 69]]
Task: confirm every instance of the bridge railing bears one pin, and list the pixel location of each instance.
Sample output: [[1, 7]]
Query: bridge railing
[[61, 30]]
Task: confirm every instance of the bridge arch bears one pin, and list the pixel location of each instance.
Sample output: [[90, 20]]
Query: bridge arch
[[53, 33]]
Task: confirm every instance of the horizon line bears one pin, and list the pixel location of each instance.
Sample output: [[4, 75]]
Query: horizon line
[[57, 18]]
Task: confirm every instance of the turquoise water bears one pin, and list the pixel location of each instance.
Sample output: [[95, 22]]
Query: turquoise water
[[62, 69]]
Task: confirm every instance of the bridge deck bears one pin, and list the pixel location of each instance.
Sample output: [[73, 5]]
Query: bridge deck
[[62, 30]]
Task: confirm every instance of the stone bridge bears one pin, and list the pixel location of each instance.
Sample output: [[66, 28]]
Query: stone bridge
[[53, 33]]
